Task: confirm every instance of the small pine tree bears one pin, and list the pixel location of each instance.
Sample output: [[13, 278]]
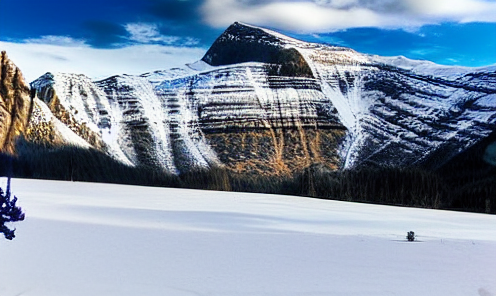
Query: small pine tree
[[410, 236], [9, 212]]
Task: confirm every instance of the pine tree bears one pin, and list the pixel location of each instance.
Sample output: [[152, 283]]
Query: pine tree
[[9, 212]]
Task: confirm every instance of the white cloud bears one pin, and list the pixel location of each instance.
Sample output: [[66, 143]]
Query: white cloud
[[57, 40], [190, 41], [447, 8], [149, 33], [305, 17], [35, 59], [337, 3], [328, 15]]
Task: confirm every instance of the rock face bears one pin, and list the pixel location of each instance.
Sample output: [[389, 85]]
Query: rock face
[[156, 131], [424, 118], [257, 122], [242, 44], [81, 113], [15, 104], [262, 102]]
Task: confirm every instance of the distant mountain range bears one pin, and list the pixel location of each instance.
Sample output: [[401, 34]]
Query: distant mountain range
[[261, 102]]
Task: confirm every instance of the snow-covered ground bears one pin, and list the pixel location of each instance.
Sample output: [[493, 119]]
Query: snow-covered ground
[[96, 239]]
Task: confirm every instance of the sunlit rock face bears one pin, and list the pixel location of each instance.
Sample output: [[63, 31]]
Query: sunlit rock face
[[76, 102], [260, 102], [15, 104]]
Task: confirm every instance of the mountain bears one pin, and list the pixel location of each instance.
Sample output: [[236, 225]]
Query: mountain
[[261, 102], [15, 104]]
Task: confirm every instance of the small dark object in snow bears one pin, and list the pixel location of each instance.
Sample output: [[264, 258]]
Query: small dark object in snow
[[410, 236]]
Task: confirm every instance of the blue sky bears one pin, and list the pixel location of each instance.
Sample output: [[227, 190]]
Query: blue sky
[[165, 33]]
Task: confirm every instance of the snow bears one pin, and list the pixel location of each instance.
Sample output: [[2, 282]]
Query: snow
[[159, 76], [88, 105], [487, 101], [78, 95], [200, 66], [42, 114], [428, 67], [111, 135], [101, 239], [154, 113], [352, 106], [283, 38]]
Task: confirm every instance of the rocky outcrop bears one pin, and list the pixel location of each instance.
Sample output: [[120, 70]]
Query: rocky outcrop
[[23, 114], [15, 104], [277, 151], [241, 44], [81, 108], [45, 129], [82, 114]]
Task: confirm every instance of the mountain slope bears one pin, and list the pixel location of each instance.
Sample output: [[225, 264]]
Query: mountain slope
[[396, 111], [260, 102]]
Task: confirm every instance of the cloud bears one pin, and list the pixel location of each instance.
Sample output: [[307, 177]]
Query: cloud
[[35, 59], [305, 17], [317, 16], [57, 40], [149, 33]]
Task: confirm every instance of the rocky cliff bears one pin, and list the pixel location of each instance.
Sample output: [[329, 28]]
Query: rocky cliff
[[15, 104]]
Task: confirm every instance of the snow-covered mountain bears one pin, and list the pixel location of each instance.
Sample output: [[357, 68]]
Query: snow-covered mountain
[[262, 102]]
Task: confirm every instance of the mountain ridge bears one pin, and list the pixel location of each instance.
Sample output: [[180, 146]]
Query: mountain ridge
[[277, 106]]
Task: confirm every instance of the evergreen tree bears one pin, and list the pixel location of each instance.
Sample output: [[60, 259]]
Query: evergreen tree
[[9, 212]]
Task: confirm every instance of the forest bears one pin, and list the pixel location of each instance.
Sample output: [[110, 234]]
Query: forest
[[466, 183]]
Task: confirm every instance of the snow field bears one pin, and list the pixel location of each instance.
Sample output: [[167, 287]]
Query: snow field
[[100, 239]]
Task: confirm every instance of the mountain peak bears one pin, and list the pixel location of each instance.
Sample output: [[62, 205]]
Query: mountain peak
[[241, 43], [10, 69]]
